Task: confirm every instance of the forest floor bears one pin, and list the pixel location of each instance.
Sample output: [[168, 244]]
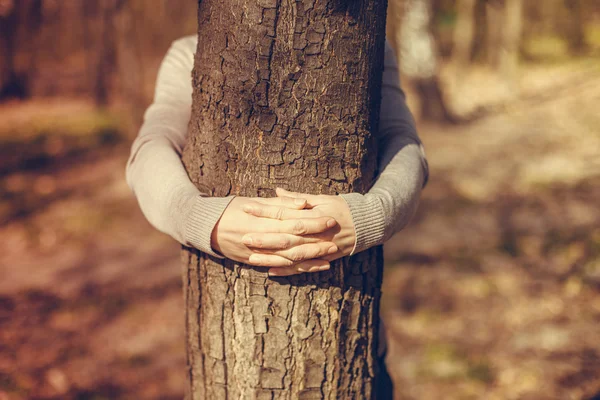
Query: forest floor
[[493, 292]]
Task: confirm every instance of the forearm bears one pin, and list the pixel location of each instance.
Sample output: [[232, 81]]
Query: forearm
[[167, 197], [392, 201], [169, 200]]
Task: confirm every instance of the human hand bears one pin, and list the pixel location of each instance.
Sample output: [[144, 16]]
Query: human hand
[[233, 234], [317, 206]]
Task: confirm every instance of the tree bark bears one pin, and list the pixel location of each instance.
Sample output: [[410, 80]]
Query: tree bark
[[285, 94]]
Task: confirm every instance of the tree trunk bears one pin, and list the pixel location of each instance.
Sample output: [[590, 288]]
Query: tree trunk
[[576, 26], [463, 36], [511, 38], [107, 50], [505, 24], [494, 31], [6, 22], [285, 94], [419, 60]]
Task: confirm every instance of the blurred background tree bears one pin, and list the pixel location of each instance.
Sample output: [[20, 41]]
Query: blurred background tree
[[106, 50], [440, 41]]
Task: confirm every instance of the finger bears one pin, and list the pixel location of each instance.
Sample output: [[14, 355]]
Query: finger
[[294, 203], [276, 212], [304, 226], [306, 266], [276, 241], [310, 198], [306, 252], [269, 260]]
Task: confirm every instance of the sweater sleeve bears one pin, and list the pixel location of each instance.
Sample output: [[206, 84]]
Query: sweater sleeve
[[392, 201], [155, 173]]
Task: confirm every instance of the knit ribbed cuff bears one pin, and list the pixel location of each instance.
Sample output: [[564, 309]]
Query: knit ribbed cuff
[[369, 220], [201, 221]]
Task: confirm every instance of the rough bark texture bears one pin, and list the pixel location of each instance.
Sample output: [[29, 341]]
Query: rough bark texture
[[286, 93]]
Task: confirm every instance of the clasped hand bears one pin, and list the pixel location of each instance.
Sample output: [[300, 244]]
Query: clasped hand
[[291, 233]]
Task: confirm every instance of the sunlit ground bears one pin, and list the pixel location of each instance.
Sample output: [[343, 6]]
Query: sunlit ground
[[493, 292]]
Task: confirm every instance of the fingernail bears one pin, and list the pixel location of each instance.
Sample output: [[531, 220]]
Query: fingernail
[[299, 202], [247, 240], [255, 259], [247, 208], [331, 223], [332, 250], [324, 267]]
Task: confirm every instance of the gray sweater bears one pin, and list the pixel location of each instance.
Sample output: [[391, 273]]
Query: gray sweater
[[173, 205]]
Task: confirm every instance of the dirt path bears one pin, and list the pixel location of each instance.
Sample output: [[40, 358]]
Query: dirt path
[[90, 296]]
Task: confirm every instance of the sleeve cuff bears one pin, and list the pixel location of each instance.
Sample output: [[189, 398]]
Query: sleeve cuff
[[424, 164], [201, 221], [368, 218]]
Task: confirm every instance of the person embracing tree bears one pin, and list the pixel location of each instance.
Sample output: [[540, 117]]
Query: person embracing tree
[[282, 287]]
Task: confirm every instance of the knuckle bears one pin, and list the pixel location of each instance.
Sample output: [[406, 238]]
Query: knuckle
[[284, 243], [286, 263], [279, 213], [317, 251], [297, 255], [299, 227], [268, 262], [323, 224], [303, 267], [255, 209]]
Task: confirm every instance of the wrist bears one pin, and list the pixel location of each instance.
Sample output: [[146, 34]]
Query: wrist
[[202, 222], [214, 240], [368, 218]]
